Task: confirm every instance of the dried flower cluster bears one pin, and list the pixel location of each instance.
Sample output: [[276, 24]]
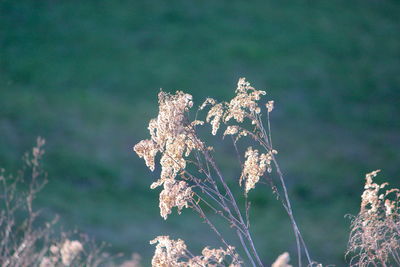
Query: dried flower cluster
[[63, 253], [270, 105], [135, 261], [214, 117], [174, 138], [282, 261], [232, 130], [175, 194], [255, 166], [215, 257], [243, 105], [237, 131], [375, 236], [69, 250], [170, 253], [245, 102]]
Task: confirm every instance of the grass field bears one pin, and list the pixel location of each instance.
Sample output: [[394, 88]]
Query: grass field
[[85, 75]]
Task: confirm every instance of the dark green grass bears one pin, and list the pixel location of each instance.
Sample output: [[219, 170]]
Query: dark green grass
[[85, 75]]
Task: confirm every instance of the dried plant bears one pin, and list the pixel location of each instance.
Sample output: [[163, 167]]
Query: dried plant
[[191, 178], [375, 231], [24, 240], [175, 253], [175, 136], [135, 261], [282, 261]]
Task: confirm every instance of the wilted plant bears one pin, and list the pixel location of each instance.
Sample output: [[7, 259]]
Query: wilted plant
[[175, 136], [375, 231]]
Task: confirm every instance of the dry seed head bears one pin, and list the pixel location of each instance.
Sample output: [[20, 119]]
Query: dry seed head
[[175, 194], [374, 236], [212, 257], [135, 261], [174, 138], [46, 262], [255, 166], [270, 105], [236, 130], [282, 261], [208, 101], [369, 198], [231, 130], [244, 103], [217, 255], [174, 253], [54, 249], [147, 150], [168, 252], [69, 250], [171, 117], [215, 116]]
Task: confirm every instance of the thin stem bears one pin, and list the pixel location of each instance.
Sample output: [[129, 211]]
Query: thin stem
[[233, 201], [290, 213], [245, 249], [267, 139], [233, 221], [241, 227], [203, 215]]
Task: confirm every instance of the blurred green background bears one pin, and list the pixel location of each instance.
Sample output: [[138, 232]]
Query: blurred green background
[[85, 75]]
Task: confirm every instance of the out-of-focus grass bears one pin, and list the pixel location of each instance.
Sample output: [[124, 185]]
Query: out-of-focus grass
[[85, 75]]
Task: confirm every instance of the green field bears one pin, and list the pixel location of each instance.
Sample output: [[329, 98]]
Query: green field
[[85, 74]]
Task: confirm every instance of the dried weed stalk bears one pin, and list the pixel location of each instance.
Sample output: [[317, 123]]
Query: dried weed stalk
[[375, 231], [24, 240], [175, 137], [282, 261]]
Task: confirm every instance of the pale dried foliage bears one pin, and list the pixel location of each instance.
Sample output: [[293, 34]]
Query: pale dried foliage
[[255, 167], [69, 250], [175, 194], [214, 117], [171, 252], [135, 261], [270, 105], [375, 231], [62, 254], [282, 261], [244, 104], [147, 150], [174, 139], [174, 135], [24, 241]]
